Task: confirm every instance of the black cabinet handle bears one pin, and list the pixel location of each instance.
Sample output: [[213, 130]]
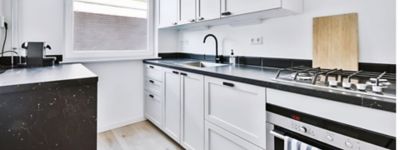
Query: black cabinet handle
[[192, 20], [175, 23], [151, 96], [184, 74], [152, 67], [201, 18], [151, 81], [228, 84], [227, 13], [175, 72]]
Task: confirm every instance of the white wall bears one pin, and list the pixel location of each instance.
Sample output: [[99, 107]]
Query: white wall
[[2, 7], [42, 20], [5, 10], [291, 37], [120, 91]]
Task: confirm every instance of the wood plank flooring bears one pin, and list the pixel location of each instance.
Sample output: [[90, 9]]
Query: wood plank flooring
[[138, 136]]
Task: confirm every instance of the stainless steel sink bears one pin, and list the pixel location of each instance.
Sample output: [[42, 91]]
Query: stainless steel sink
[[202, 64]]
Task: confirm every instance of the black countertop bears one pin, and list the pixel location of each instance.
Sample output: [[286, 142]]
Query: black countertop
[[16, 79], [264, 76], [45, 74]]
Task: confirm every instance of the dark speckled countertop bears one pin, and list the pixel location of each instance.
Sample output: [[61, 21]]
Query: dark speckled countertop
[[62, 72], [48, 108], [264, 76]]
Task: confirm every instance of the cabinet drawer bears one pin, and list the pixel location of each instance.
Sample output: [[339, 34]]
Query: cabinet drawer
[[153, 85], [219, 139], [154, 72], [238, 108], [153, 108]]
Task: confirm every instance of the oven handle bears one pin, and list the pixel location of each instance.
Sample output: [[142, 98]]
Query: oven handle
[[276, 134]]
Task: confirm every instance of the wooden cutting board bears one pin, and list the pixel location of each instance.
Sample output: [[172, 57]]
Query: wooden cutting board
[[336, 42]]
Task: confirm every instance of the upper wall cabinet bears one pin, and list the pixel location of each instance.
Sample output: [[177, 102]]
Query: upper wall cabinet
[[209, 9], [193, 13], [187, 11], [237, 7], [168, 13]]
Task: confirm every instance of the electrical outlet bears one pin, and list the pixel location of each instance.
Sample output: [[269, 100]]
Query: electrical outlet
[[2, 21], [257, 40]]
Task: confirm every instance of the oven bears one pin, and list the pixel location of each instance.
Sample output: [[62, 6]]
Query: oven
[[320, 132]]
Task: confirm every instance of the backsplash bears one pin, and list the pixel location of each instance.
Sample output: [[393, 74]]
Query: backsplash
[[291, 37]]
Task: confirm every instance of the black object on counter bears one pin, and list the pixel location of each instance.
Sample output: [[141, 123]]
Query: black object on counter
[[36, 56]]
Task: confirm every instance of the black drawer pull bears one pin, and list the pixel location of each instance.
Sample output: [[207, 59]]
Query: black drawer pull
[[227, 13], [184, 74], [152, 67], [175, 72], [151, 81], [228, 84], [151, 96]]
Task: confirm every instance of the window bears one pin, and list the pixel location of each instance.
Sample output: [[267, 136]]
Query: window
[[98, 29]]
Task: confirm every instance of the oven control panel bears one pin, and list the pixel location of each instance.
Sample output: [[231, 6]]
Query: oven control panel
[[320, 134], [325, 136]]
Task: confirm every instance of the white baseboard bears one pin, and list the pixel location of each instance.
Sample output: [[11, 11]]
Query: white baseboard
[[119, 124]]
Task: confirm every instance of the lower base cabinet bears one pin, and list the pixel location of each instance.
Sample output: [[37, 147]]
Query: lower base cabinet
[[153, 107], [173, 103], [205, 113], [154, 95], [193, 111], [217, 138]]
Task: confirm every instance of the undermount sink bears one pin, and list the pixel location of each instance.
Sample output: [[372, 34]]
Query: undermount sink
[[202, 64]]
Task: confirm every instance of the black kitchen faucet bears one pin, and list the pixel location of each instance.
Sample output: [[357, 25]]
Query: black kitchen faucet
[[217, 57]]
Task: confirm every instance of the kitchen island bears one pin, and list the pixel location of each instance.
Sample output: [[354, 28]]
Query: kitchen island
[[48, 108]]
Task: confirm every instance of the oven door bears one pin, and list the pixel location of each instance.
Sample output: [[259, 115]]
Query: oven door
[[275, 139]]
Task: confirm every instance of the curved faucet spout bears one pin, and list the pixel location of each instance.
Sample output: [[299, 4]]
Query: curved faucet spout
[[217, 59]]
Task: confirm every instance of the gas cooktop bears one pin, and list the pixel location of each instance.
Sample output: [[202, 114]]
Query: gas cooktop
[[380, 84]]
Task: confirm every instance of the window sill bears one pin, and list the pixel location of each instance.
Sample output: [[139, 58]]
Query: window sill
[[95, 60]]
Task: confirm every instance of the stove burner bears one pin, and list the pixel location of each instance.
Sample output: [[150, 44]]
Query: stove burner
[[304, 76], [355, 81]]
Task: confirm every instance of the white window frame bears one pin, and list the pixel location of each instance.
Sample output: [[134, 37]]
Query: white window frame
[[72, 55]]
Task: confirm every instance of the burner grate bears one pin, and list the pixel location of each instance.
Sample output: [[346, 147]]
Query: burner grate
[[317, 72]]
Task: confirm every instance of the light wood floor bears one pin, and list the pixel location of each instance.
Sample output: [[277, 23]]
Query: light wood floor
[[138, 136]]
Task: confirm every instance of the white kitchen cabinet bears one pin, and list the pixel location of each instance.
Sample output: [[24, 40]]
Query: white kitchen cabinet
[[220, 139], [209, 9], [193, 111], [192, 13], [238, 108], [173, 103], [187, 11], [153, 94], [168, 12], [237, 7], [153, 107]]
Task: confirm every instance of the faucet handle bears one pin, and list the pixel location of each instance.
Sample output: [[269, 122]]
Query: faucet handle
[[219, 59]]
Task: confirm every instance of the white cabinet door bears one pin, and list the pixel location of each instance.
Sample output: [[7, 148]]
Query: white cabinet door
[[173, 104], [168, 12], [237, 7], [187, 11], [220, 139], [209, 9], [153, 108], [193, 111], [237, 107]]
